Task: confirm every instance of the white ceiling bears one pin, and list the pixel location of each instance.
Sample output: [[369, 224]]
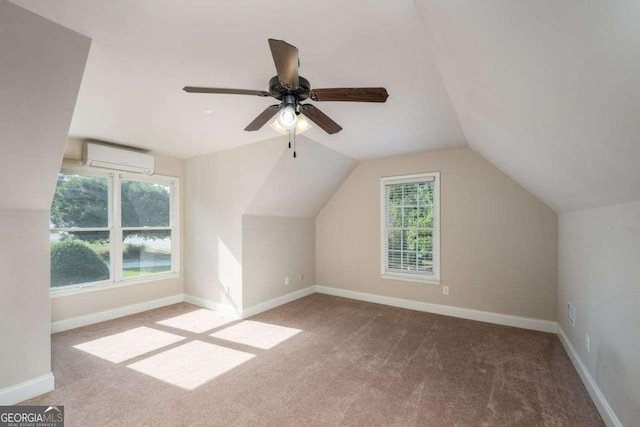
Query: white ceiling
[[145, 51], [548, 91]]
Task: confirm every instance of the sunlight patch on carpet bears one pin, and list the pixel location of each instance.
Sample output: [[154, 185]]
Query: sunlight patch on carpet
[[129, 344], [191, 365], [256, 334], [198, 321]]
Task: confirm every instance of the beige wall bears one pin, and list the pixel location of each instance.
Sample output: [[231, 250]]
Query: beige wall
[[65, 307], [218, 189], [40, 75], [599, 273], [68, 306], [245, 201], [272, 249], [24, 296], [499, 243]]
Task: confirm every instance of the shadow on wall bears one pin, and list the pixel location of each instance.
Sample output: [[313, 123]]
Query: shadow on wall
[[259, 179], [229, 272], [299, 187]]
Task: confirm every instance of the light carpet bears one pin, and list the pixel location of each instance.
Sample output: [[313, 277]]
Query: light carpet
[[318, 361]]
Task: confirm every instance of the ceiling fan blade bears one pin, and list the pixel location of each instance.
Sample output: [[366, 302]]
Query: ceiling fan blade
[[194, 89], [285, 56], [263, 118], [357, 94], [320, 118]]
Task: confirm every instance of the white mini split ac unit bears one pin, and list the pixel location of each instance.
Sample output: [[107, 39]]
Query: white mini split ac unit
[[106, 157]]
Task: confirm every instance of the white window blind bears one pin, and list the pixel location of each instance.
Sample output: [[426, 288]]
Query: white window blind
[[410, 230]]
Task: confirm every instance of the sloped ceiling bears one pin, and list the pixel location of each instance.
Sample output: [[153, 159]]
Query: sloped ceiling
[[40, 74], [549, 91], [144, 52], [300, 187]]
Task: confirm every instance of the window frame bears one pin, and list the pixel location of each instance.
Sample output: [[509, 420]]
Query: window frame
[[114, 179], [435, 278]]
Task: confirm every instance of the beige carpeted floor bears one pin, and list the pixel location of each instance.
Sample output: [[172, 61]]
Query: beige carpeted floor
[[320, 360]]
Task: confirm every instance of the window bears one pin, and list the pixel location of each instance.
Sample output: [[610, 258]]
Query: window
[[411, 227], [110, 228]]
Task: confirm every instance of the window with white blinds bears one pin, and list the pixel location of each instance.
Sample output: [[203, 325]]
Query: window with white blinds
[[410, 227]]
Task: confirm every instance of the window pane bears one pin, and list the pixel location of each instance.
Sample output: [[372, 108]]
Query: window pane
[[418, 217], [426, 217], [411, 217], [145, 252], [409, 261], [80, 201], [79, 257], [409, 223], [425, 251], [425, 194], [410, 194], [425, 241], [409, 240], [394, 240], [145, 204], [425, 262], [394, 194], [394, 219], [395, 260]]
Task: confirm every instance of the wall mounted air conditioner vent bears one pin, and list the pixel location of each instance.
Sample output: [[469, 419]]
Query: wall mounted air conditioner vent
[[103, 156]]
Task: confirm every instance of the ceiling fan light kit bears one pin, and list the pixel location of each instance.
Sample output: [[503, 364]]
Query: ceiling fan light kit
[[288, 115], [290, 88], [302, 126]]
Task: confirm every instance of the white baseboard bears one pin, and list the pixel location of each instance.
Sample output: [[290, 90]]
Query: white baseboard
[[275, 302], [212, 305], [89, 319], [26, 390], [465, 313], [605, 410], [447, 310]]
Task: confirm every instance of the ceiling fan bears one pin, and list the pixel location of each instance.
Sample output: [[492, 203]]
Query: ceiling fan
[[290, 89]]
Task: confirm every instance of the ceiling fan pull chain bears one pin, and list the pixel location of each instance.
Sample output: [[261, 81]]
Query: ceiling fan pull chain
[[289, 135], [294, 144]]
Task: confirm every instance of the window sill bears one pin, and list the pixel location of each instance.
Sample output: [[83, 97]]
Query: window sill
[[111, 285], [410, 278]]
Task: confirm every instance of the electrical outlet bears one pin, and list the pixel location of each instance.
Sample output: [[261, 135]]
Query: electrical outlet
[[445, 290], [286, 280], [587, 342], [571, 314]]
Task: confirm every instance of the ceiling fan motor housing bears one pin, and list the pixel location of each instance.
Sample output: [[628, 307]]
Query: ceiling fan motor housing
[[278, 91]]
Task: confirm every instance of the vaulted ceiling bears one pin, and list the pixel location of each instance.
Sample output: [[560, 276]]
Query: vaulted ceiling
[[145, 51], [548, 91]]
